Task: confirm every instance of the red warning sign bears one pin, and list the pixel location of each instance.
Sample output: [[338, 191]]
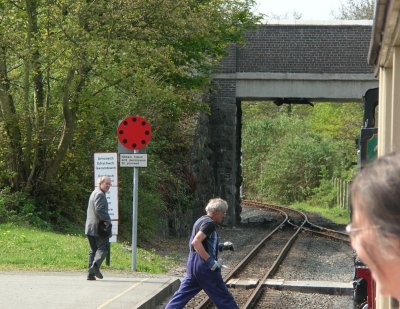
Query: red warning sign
[[134, 132]]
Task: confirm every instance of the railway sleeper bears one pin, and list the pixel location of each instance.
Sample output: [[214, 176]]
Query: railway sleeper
[[304, 286]]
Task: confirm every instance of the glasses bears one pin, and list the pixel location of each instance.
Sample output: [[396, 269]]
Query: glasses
[[353, 231]]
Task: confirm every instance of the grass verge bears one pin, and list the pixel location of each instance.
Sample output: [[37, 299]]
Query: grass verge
[[335, 214], [30, 249]]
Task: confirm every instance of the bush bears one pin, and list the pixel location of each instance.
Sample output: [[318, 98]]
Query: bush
[[162, 195], [16, 207], [297, 150], [295, 168], [324, 195]]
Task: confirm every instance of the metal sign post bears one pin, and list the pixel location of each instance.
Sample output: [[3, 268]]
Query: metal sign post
[[134, 132], [135, 190]]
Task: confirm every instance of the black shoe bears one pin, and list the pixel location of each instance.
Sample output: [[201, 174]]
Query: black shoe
[[91, 277], [91, 271], [95, 271]]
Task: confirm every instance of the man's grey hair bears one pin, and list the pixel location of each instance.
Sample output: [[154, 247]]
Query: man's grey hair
[[103, 179], [216, 204], [377, 189]]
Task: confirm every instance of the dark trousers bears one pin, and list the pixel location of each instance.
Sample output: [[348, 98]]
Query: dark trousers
[[200, 277], [99, 247]]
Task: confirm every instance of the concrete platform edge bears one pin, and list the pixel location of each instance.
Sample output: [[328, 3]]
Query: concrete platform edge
[[161, 294]]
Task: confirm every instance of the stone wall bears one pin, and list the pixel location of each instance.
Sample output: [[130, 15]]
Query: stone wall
[[216, 151]]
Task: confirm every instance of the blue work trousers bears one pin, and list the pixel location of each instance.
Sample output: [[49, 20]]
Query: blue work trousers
[[199, 277]]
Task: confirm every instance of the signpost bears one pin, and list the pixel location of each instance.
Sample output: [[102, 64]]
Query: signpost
[[134, 133]]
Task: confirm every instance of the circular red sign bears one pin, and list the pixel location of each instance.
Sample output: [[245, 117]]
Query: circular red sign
[[134, 132]]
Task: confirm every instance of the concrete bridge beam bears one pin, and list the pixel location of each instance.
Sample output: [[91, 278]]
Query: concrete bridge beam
[[322, 87]]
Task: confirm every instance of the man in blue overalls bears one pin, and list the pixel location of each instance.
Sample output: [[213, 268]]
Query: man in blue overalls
[[203, 269]]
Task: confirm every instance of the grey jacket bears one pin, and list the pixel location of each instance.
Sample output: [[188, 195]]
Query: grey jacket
[[97, 211]]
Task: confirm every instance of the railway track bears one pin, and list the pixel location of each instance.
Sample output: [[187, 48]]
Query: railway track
[[264, 259], [307, 227]]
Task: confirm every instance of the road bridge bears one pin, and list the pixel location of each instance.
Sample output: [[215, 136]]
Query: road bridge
[[283, 62], [318, 61]]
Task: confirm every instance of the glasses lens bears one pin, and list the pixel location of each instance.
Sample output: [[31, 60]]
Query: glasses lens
[[352, 231]]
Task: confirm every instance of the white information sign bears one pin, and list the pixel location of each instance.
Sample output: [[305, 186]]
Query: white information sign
[[133, 160], [106, 164], [112, 199]]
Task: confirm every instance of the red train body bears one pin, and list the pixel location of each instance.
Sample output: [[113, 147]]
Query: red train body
[[364, 286]]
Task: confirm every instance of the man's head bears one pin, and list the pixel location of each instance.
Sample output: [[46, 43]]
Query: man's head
[[104, 183], [374, 230], [216, 209]]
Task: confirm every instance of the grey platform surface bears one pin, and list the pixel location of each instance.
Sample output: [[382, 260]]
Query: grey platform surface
[[71, 290]]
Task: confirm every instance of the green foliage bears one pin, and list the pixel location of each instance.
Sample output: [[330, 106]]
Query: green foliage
[[71, 70], [295, 166], [335, 120], [324, 196], [16, 207], [160, 191], [296, 151]]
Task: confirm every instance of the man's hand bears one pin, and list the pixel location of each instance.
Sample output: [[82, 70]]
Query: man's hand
[[213, 264], [228, 246]]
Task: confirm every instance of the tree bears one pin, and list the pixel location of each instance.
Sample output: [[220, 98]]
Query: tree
[[68, 66], [356, 10]]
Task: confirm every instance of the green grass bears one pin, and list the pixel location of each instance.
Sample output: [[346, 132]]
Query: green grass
[[335, 214], [24, 248], [31, 249]]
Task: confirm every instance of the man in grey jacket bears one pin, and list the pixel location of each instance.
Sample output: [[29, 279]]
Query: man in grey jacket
[[97, 214]]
